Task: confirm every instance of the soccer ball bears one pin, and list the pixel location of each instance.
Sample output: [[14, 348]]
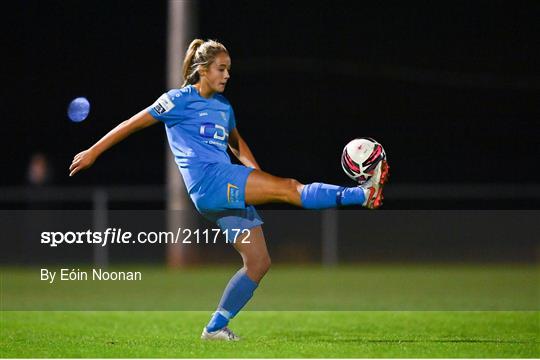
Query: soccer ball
[[360, 157]]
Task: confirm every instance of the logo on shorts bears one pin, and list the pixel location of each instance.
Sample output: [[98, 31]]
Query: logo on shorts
[[233, 193]]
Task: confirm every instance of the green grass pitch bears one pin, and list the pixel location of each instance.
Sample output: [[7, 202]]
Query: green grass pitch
[[299, 311], [272, 334]]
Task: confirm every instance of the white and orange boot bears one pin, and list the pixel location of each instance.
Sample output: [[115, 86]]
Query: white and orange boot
[[373, 188]]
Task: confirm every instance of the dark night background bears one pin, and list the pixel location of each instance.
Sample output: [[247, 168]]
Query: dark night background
[[450, 89]]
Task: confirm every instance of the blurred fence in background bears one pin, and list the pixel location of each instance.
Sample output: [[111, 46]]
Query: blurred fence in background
[[401, 233]]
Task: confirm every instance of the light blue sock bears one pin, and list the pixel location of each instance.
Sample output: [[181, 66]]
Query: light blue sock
[[217, 322], [237, 293], [324, 196]]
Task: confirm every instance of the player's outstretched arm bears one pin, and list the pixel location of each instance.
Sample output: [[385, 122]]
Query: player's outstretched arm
[[86, 158], [241, 150]]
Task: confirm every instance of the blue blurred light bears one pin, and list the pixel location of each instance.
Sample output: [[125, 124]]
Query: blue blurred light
[[78, 109]]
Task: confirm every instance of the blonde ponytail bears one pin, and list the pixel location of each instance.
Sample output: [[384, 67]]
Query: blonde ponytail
[[188, 61]]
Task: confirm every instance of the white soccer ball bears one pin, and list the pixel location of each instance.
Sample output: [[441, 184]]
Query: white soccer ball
[[360, 157]]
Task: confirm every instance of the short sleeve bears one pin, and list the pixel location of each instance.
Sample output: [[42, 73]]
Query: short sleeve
[[168, 107], [232, 121]]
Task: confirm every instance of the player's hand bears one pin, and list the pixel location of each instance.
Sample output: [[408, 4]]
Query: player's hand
[[81, 161]]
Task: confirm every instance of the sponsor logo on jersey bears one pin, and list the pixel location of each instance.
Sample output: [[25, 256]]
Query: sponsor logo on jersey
[[163, 104], [203, 114], [213, 131]]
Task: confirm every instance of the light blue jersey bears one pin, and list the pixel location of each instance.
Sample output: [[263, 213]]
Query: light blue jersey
[[198, 132], [197, 129]]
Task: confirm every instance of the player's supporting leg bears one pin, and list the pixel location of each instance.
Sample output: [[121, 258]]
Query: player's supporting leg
[[262, 188], [241, 286]]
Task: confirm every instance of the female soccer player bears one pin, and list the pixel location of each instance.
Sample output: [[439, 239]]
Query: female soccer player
[[200, 125]]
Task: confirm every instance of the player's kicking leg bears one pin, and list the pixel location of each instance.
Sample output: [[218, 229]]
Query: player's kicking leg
[[262, 188]]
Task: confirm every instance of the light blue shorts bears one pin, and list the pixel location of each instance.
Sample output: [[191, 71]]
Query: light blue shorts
[[220, 197]]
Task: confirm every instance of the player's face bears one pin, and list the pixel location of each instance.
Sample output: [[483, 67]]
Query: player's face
[[218, 73]]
